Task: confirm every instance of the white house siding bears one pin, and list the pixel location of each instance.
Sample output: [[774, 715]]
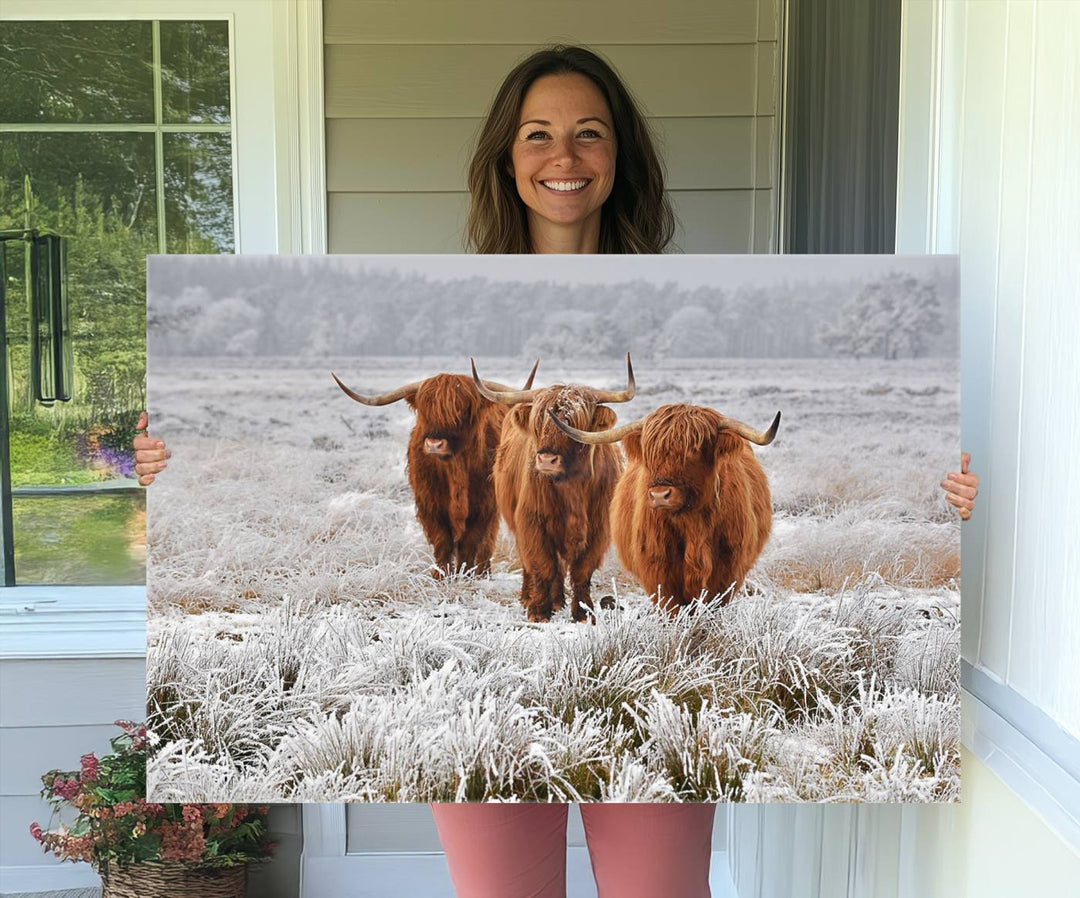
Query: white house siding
[[1019, 216], [54, 710], [408, 83], [990, 135]]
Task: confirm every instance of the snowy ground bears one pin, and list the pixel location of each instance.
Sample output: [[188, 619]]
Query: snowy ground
[[299, 651]]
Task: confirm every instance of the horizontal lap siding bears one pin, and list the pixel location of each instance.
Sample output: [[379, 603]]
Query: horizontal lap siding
[[380, 155], [407, 85], [709, 221], [525, 22], [53, 712], [460, 80]]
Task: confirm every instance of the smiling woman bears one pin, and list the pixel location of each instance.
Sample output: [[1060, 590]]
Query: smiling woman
[[565, 164], [563, 161]]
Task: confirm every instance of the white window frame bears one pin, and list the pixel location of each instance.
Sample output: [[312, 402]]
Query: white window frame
[[279, 204], [1031, 753]]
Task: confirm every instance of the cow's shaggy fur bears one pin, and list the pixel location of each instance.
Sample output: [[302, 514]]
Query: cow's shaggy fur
[[561, 522], [708, 543]]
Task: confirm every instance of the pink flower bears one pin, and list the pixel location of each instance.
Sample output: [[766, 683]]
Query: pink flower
[[192, 813], [89, 768], [181, 842], [36, 831], [66, 789]]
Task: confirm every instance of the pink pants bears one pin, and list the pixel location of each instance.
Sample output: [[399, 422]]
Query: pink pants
[[519, 850]]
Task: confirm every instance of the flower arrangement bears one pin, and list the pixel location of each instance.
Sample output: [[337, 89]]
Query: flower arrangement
[[116, 825]]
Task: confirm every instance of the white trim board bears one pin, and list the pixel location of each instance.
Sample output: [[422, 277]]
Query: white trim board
[[1022, 764], [301, 131], [40, 622]]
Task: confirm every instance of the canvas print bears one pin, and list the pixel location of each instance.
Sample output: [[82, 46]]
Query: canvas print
[[493, 528]]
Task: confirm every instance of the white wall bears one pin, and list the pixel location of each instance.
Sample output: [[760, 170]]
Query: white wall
[[1017, 191], [990, 138]]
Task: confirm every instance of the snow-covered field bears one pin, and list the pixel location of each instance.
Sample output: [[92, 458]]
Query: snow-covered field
[[299, 651]]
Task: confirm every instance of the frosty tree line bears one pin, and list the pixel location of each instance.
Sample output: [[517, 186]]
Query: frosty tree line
[[278, 307]]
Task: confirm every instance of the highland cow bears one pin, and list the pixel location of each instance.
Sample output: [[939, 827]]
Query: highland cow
[[555, 494], [449, 461], [693, 511]]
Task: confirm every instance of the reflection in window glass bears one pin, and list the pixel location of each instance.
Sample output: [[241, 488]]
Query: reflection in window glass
[[97, 189], [96, 182], [198, 193], [78, 179], [195, 72], [63, 72], [82, 540]]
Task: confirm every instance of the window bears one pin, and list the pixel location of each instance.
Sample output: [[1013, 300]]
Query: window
[[118, 136]]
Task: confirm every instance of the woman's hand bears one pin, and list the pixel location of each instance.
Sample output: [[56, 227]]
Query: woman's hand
[[961, 487], [150, 454]]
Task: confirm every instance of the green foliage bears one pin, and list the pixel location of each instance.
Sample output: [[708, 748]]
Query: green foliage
[[85, 539], [106, 286], [99, 190], [117, 825]]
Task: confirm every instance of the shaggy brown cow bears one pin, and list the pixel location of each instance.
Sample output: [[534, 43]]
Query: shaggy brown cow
[[554, 494], [693, 511], [449, 461]]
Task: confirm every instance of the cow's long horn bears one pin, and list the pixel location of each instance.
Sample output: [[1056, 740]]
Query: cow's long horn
[[748, 433], [384, 399], [599, 436], [502, 388], [532, 374], [620, 395], [506, 397]]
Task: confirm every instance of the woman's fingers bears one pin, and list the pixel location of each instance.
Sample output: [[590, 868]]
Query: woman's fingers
[[961, 487], [965, 485], [150, 453], [959, 501]]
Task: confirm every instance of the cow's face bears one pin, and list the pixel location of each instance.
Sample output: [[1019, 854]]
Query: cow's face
[[679, 446], [448, 411], [557, 456]]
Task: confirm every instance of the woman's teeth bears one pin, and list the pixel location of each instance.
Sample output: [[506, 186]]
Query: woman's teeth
[[564, 186]]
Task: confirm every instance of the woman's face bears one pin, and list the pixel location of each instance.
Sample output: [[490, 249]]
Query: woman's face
[[563, 154]]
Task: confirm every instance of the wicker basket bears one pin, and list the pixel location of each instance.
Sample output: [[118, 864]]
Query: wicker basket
[[174, 881]]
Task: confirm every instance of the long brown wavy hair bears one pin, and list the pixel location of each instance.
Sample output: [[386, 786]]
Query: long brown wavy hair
[[636, 218]]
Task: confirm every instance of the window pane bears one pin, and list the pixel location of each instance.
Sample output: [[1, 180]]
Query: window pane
[[198, 193], [98, 191], [79, 181], [81, 539], [76, 72], [195, 71]]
